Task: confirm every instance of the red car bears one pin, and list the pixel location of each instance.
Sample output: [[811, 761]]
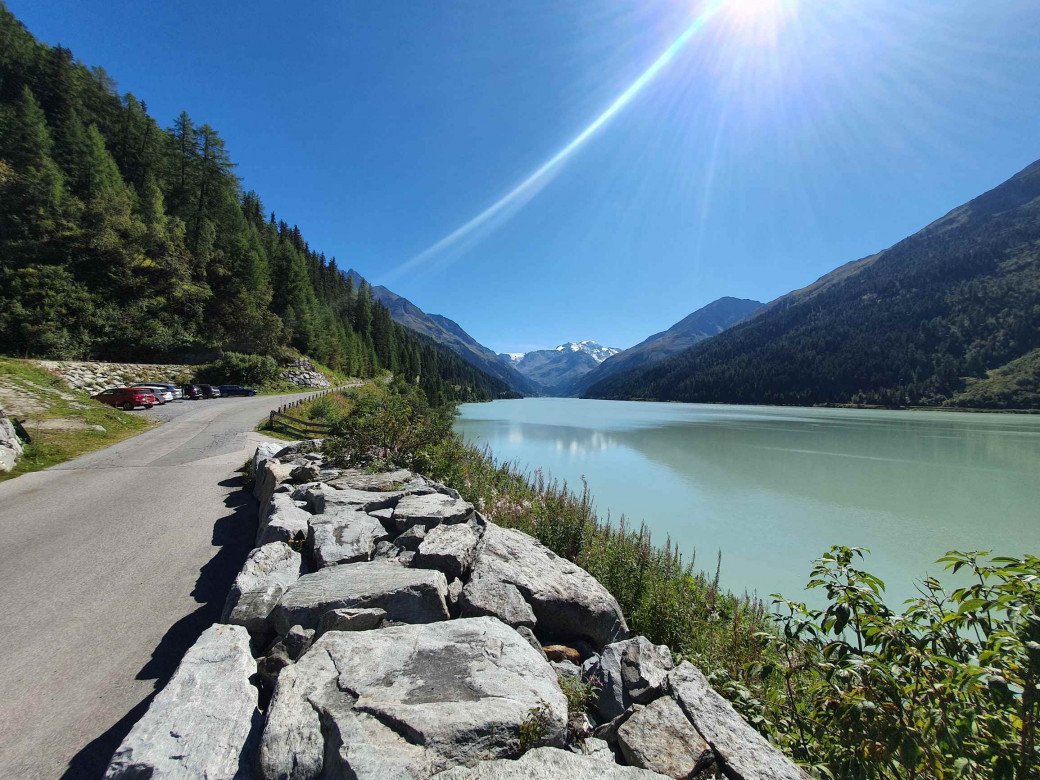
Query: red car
[[126, 397]]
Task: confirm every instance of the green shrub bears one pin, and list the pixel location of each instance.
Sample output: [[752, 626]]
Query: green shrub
[[238, 369]]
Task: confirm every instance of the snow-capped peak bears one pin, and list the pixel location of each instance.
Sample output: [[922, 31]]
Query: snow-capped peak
[[596, 351], [514, 357]]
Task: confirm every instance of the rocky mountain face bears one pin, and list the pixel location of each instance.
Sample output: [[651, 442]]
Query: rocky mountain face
[[557, 371], [946, 316], [450, 334], [704, 323]]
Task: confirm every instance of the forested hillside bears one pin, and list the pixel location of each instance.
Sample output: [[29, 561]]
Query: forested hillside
[[916, 324], [120, 239]]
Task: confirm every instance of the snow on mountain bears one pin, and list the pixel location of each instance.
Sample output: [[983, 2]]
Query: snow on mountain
[[555, 370]]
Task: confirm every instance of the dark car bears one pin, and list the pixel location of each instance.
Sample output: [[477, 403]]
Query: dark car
[[126, 397], [226, 390], [209, 391], [192, 392]]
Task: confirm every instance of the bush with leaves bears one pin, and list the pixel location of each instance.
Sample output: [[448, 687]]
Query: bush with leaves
[[947, 688], [238, 369]]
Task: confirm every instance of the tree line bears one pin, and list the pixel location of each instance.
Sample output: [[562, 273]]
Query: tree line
[[120, 239]]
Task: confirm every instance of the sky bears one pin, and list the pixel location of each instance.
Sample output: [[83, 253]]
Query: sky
[[773, 141]]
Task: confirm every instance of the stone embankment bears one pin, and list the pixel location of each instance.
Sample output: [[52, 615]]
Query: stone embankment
[[10, 445], [381, 628], [93, 377]]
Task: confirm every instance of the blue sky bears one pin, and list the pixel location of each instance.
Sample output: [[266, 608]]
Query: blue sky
[[785, 138]]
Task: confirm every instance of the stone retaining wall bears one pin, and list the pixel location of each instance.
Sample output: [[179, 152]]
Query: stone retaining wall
[[381, 628], [93, 377]]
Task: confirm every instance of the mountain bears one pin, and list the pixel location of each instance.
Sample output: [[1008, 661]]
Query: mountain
[[704, 323], [450, 334], [949, 315], [556, 371], [123, 240]]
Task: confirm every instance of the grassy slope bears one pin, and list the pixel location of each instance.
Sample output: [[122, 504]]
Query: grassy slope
[[33, 396], [1015, 385]]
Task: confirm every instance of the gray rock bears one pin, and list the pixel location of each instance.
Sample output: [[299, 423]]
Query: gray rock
[[267, 573], [430, 510], [306, 473], [385, 550], [383, 515], [660, 738], [740, 751], [351, 620], [527, 634], [407, 595], [205, 722], [359, 480], [296, 448], [407, 702], [263, 452], [271, 474], [411, 539], [568, 603], [599, 749], [448, 548], [322, 499], [283, 521], [405, 557], [632, 671], [298, 641], [348, 536], [488, 596], [566, 669], [548, 764]]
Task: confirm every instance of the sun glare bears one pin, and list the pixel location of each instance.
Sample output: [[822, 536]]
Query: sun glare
[[758, 21]]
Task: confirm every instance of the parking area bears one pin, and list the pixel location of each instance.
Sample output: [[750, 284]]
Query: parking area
[[174, 409]]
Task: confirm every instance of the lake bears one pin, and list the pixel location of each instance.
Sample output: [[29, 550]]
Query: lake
[[774, 487]]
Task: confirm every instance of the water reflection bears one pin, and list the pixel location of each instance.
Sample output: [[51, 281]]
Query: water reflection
[[774, 487]]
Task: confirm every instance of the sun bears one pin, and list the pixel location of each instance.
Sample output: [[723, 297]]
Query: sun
[[757, 21]]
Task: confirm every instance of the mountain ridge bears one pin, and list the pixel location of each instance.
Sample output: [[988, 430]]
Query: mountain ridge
[[555, 371], [915, 324]]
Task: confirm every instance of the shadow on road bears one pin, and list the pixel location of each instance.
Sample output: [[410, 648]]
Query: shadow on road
[[233, 534]]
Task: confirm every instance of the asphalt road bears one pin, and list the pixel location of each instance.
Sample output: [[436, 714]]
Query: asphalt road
[[110, 567]]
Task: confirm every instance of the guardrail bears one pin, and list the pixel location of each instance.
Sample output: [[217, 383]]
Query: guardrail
[[305, 429]]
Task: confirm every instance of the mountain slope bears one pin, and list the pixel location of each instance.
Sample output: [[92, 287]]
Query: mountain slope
[[450, 334], [912, 324], [125, 241], [704, 323], [556, 371]]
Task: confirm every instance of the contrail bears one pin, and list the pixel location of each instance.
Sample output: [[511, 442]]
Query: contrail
[[526, 189]]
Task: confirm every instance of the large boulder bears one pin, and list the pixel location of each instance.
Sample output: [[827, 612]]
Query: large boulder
[[282, 520], [629, 672], [448, 548], [204, 723], [267, 573], [429, 510], [359, 480], [740, 751], [348, 536], [325, 500], [407, 595], [566, 601], [660, 738], [264, 451], [549, 764], [272, 474], [407, 702], [10, 445]]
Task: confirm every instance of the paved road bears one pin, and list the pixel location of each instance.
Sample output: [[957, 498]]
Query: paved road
[[110, 567]]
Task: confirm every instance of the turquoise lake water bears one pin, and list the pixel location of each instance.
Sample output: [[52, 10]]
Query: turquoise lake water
[[774, 487]]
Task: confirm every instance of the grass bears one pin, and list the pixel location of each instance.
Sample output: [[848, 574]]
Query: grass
[[324, 409], [57, 400]]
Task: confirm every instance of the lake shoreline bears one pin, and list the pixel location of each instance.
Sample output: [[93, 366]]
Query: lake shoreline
[[960, 409]]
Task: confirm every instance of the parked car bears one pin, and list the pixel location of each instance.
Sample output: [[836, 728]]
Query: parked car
[[226, 390], [172, 389], [162, 395], [128, 398], [209, 391], [192, 392]]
